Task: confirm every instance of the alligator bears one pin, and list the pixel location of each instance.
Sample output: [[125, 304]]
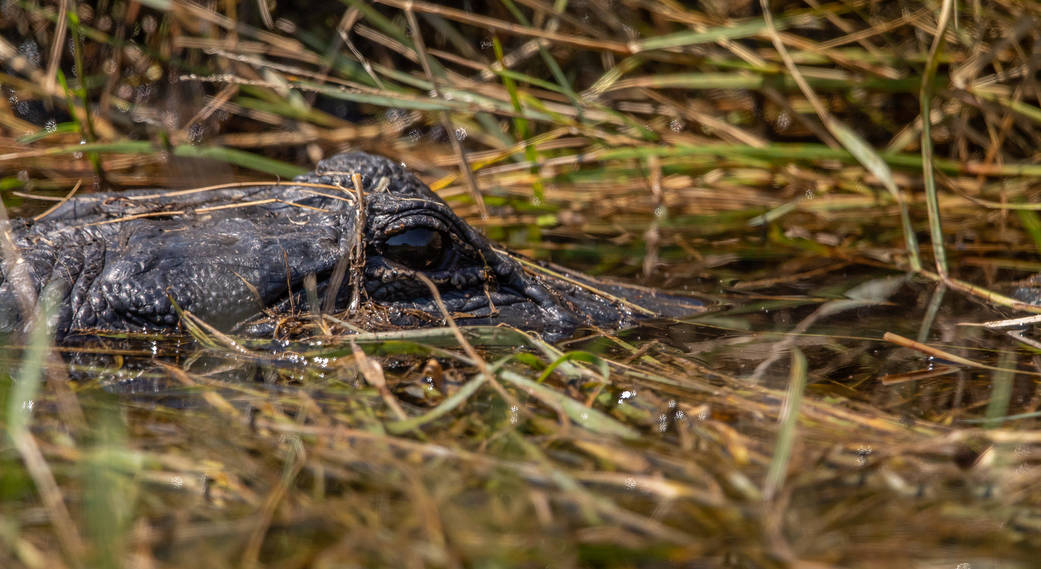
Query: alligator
[[237, 254]]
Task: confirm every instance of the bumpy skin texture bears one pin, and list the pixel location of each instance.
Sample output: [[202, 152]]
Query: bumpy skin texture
[[228, 254]]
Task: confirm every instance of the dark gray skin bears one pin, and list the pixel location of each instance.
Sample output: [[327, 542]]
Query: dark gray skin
[[121, 257]]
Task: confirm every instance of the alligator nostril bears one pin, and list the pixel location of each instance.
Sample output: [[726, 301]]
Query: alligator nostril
[[417, 248]]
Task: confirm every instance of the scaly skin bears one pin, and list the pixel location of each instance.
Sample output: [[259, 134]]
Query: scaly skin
[[121, 257]]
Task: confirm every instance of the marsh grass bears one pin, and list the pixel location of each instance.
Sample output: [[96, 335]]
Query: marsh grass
[[829, 174]]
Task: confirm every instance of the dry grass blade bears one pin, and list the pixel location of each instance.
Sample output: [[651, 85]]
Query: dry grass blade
[[209, 335], [58, 203], [942, 354], [983, 293], [535, 268], [1006, 323], [357, 253], [372, 371]]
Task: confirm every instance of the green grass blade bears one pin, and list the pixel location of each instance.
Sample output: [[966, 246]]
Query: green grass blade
[[789, 420], [21, 399], [240, 158], [229, 155], [591, 419], [580, 356], [1031, 223], [1001, 390], [446, 406], [520, 124], [874, 163], [929, 178], [688, 38], [110, 490]]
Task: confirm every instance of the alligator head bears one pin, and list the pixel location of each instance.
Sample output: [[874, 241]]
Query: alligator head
[[232, 254]]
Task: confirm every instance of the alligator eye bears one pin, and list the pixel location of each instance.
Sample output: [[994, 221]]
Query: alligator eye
[[417, 248]]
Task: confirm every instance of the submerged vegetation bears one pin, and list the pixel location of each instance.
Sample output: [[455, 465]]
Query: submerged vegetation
[[851, 184]]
